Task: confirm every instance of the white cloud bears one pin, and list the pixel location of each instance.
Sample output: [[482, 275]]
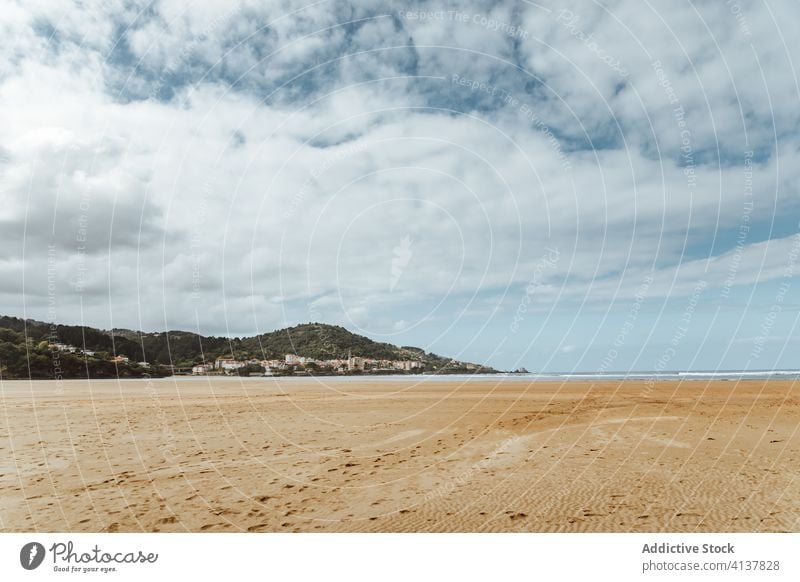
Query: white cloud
[[246, 192]]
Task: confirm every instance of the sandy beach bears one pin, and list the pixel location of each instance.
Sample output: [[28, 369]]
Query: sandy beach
[[399, 456]]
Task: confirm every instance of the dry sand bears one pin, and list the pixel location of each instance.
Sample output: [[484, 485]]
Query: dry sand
[[399, 456]]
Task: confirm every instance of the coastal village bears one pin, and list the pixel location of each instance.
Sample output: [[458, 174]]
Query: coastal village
[[291, 363], [36, 349], [230, 365]]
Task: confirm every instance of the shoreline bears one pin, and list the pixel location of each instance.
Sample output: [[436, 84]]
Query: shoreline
[[778, 375]]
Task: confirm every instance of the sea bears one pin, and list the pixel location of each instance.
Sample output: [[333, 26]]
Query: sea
[[529, 377]]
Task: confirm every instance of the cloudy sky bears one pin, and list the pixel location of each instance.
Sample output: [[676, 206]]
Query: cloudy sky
[[566, 186]]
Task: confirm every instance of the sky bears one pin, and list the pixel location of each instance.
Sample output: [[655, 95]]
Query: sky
[[560, 186]]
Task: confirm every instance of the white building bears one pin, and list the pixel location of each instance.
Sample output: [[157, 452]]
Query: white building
[[227, 364], [335, 364], [406, 365], [202, 369], [294, 360], [273, 364], [355, 363]]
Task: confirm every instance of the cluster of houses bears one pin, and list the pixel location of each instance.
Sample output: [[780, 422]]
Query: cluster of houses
[[118, 359], [229, 364], [59, 347]]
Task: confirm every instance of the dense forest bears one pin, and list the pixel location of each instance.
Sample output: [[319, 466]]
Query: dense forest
[[24, 356], [25, 350]]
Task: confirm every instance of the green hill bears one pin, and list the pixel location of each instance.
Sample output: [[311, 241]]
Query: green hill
[[24, 351], [321, 341]]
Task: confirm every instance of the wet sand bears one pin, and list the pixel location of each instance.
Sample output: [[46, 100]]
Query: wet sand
[[399, 456]]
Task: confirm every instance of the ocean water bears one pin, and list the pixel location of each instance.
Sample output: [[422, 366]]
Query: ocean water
[[678, 375], [542, 377]]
